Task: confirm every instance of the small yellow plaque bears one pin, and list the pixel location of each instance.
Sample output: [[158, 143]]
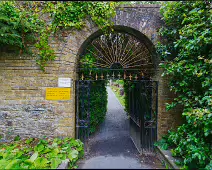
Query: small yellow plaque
[[58, 93]]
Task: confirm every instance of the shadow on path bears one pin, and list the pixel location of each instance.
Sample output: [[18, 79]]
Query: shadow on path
[[111, 146]]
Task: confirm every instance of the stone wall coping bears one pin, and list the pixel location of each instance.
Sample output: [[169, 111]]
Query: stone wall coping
[[168, 158], [140, 6]]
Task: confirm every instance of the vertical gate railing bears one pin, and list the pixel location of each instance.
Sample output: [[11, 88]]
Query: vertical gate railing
[[83, 88], [86, 105], [143, 103], [143, 114]]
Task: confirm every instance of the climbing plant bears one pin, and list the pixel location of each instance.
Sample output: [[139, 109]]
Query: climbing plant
[[25, 25], [187, 56], [17, 26]]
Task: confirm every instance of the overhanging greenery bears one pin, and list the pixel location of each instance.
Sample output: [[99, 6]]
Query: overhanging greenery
[[24, 27], [187, 56]]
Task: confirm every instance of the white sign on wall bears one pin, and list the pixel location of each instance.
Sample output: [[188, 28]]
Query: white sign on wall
[[64, 82]]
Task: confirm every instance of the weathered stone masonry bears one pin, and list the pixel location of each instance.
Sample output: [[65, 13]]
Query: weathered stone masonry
[[23, 108]]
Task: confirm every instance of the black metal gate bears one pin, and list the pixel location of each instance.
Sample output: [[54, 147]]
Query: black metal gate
[[142, 111], [85, 105], [143, 114], [82, 109]]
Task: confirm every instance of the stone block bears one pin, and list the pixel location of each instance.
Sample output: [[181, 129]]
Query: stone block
[[66, 122], [65, 132]]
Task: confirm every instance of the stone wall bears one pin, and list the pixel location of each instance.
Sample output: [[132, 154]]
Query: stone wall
[[166, 119], [23, 108], [144, 18]]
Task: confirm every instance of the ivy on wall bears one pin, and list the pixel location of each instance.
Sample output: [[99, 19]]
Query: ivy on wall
[[17, 26], [25, 25], [187, 56]]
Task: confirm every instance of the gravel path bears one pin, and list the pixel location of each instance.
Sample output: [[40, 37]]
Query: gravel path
[[111, 146]]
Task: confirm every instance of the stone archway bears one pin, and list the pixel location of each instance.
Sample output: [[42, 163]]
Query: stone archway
[[134, 55], [144, 41]]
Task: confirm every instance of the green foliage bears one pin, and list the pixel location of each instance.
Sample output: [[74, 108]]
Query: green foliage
[[127, 85], [24, 24], [98, 92], [16, 26], [121, 82], [45, 53], [162, 143], [17, 138], [193, 140], [188, 43], [95, 104], [187, 56], [116, 90], [33, 153], [73, 14], [99, 104]]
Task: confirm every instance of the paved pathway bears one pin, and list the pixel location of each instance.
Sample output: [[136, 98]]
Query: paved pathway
[[111, 146]]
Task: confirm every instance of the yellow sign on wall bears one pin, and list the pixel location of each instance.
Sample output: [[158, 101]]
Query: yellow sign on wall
[[58, 93]]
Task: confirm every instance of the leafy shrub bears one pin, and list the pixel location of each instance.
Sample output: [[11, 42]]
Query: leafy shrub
[[92, 105], [192, 141], [187, 61], [36, 153], [127, 85], [99, 104]]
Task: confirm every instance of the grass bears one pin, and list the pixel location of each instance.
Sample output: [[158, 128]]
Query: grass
[[120, 98]]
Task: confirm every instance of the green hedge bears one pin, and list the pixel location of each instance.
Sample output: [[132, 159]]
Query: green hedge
[[93, 104], [127, 85], [98, 102], [98, 91]]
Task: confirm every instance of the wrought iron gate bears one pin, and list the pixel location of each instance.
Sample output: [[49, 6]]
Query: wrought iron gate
[[143, 114], [142, 104], [82, 106], [85, 105]]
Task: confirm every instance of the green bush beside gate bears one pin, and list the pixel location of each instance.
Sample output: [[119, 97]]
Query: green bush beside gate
[[98, 103], [98, 92], [187, 58]]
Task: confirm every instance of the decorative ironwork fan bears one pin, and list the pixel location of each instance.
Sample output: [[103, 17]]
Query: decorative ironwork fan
[[118, 50]]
